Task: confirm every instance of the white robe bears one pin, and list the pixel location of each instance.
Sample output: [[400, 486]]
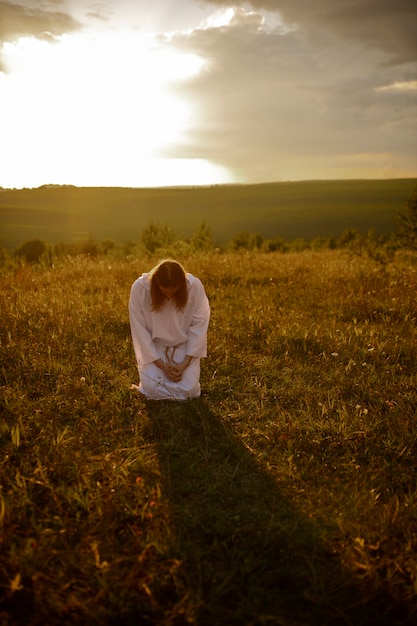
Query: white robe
[[169, 335]]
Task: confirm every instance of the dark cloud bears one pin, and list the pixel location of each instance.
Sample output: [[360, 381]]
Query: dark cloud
[[17, 20], [384, 25], [315, 100], [269, 102]]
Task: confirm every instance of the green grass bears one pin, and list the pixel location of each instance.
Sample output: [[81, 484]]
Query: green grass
[[288, 210], [285, 495]]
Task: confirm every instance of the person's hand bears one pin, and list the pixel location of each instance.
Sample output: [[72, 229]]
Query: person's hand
[[174, 371]]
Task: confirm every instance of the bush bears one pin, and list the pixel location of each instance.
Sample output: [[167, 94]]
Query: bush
[[5, 259], [107, 245], [90, 248], [157, 236], [202, 240], [247, 241], [32, 251], [323, 243], [299, 245], [275, 245], [407, 233]]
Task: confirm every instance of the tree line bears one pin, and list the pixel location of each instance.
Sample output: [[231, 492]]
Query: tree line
[[162, 239]]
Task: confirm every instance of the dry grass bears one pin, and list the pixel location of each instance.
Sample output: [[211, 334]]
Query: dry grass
[[286, 495]]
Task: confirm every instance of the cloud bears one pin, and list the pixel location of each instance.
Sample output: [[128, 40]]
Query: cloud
[[275, 105], [232, 16], [410, 85], [315, 89], [97, 16], [17, 20], [382, 25]]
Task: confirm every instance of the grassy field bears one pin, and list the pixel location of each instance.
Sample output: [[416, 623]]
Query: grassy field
[[285, 495], [288, 210]]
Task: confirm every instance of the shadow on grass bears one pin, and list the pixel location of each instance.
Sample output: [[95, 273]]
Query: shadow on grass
[[249, 556]]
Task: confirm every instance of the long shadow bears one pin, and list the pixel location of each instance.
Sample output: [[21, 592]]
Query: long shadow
[[250, 556]]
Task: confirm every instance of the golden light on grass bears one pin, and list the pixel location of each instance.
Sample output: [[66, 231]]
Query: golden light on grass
[[295, 470]]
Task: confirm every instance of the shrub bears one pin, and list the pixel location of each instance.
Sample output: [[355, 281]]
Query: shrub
[[202, 240], [107, 245], [90, 248], [299, 245], [407, 233], [323, 243], [278, 244], [5, 259], [32, 251], [247, 241], [349, 238], [157, 236]]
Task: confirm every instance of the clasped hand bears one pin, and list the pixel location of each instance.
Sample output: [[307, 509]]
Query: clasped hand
[[174, 371]]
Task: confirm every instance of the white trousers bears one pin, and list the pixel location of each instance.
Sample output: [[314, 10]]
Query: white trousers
[[155, 385]]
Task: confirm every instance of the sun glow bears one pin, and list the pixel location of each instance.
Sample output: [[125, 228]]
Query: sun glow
[[97, 109]]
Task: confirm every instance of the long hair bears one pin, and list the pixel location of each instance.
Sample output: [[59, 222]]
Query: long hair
[[168, 274]]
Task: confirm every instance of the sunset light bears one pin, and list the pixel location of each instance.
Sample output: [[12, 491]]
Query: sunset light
[[80, 105], [208, 279], [138, 94]]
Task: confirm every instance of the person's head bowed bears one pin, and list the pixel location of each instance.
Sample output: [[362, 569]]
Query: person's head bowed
[[168, 280]]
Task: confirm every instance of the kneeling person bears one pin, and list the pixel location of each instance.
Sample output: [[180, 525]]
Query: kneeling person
[[169, 316]]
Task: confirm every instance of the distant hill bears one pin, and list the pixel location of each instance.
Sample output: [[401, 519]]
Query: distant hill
[[286, 209]]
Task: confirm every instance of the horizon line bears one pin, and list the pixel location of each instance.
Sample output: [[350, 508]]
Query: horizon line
[[208, 186]]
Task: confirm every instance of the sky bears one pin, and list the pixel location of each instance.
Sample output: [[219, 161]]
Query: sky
[[140, 93]]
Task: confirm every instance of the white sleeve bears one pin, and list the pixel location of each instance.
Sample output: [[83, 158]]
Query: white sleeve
[[197, 332], [143, 344]]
